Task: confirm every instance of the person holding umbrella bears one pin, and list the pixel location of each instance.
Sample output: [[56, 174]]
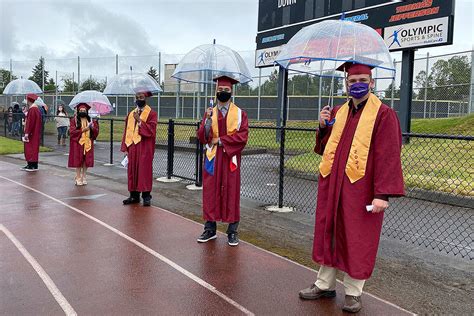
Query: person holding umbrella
[[32, 133], [83, 131], [138, 144], [224, 131], [360, 170]]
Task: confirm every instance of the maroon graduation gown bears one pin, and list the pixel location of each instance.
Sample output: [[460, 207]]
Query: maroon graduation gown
[[140, 156], [221, 191], [346, 236], [33, 129], [76, 150]]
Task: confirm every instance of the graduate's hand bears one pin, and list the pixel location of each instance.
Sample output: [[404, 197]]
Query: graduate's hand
[[209, 112], [136, 116], [215, 141], [379, 205], [324, 116]]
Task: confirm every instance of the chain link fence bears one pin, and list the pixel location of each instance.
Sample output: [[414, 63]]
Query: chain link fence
[[438, 168], [443, 85]]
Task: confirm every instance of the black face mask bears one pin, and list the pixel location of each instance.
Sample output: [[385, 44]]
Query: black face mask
[[223, 96], [82, 114], [140, 103]]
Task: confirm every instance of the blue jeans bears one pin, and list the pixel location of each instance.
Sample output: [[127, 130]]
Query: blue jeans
[[16, 128], [62, 132]]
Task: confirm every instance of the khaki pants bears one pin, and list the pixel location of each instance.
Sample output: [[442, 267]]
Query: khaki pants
[[327, 281]]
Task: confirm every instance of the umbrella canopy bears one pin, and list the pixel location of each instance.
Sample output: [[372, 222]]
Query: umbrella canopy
[[208, 61], [131, 83], [99, 103], [21, 86], [40, 101], [319, 49], [60, 102]]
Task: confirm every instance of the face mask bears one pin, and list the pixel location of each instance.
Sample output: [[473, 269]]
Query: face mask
[[82, 114], [223, 96], [140, 103], [359, 89]]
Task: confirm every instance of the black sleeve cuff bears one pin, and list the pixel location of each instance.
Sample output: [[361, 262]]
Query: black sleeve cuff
[[322, 131], [381, 197]]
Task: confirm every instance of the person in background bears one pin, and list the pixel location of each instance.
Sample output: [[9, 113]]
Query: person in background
[[62, 124], [24, 110], [17, 118], [83, 130], [9, 120]]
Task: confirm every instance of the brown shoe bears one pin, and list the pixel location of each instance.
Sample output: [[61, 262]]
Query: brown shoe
[[313, 293], [352, 304]]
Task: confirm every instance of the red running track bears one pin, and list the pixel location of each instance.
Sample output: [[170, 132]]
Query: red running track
[[67, 249]]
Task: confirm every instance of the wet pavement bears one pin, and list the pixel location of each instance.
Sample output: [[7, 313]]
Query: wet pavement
[[106, 258]]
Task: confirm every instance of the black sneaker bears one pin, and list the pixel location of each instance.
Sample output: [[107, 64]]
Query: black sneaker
[[30, 169], [207, 235], [233, 239], [25, 167], [131, 200], [147, 201]]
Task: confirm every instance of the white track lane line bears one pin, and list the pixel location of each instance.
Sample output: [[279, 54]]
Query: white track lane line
[[144, 247], [286, 259], [58, 296]]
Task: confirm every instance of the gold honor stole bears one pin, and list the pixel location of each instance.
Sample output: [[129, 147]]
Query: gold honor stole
[[131, 135], [233, 120], [357, 162], [85, 139]]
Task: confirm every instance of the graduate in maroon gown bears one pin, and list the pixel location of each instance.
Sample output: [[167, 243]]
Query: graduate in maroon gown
[[224, 131], [32, 133], [83, 131], [360, 170], [138, 143]]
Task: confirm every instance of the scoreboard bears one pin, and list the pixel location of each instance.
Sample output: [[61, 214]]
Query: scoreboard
[[405, 24]]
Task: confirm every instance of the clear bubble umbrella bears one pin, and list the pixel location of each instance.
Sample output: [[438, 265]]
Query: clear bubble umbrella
[[131, 83], [208, 61], [99, 103], [21, 86], [40, 102], [319, 49]]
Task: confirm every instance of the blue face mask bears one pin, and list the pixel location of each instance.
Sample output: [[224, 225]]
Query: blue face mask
[[359, 89]]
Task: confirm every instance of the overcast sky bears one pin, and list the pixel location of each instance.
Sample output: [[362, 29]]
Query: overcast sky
[[99, 28]]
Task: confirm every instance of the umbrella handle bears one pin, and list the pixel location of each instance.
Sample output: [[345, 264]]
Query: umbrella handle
[[331, 122]]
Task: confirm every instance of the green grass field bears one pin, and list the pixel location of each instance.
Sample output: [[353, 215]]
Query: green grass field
[[11, 146]]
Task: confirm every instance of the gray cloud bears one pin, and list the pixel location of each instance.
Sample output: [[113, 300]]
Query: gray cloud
[[101, 32], [95, 30]]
